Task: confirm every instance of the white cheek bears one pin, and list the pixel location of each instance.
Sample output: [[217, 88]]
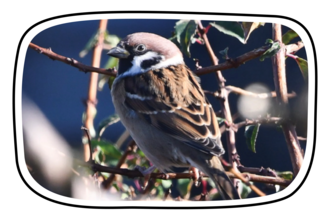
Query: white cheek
[[137, 61]]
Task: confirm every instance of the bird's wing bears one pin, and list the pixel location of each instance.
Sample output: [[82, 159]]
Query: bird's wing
[[172, 100]]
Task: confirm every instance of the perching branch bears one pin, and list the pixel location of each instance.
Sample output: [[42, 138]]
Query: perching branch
[[233, 63], [136, 173]]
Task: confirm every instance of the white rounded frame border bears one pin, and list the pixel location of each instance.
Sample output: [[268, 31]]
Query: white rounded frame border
[[310, 145]]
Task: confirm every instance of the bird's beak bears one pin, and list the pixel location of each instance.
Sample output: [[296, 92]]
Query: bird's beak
[[118, 52]]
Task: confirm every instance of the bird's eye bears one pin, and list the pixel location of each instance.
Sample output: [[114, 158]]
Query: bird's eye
[[140, 48]]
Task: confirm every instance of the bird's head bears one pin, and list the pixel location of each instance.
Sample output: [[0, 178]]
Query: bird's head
[[141, 52]]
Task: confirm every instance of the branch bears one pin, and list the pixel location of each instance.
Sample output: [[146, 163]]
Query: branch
[[293, 48], [278, 62], [92, 88], [244, 180], [239, 91], [136, 173], [82, 67], [236, 62], [266, 120]]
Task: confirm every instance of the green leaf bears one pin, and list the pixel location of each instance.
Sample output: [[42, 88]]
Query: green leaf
[[160, 191], [288, 36], [98, 157], [90, 44], [110, 81], [116, 186], [303, 66], [246, 190], [106, 123], [248, 27], [288, 175], [140, 153], [211, 183], [184, 33], [112, 63], [231, 28], [251, 133], [107, 148], [167, 183], [111, 39], [183, 186], [275, 47], [220, 120], [103, 80]]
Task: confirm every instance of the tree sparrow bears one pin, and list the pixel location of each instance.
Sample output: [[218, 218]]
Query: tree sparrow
[[162, 105]]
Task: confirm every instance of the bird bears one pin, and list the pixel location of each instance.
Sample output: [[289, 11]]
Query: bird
[[160, 102]]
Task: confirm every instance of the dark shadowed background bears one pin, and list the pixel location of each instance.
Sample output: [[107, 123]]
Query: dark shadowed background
[[59, 89]]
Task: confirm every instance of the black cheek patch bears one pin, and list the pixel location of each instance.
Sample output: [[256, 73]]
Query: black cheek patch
[[151, 62]]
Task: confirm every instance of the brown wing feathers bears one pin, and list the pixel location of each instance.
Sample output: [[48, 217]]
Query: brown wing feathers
[[189, 116]]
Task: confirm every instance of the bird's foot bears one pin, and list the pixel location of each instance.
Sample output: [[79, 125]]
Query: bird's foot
[[197, 178]]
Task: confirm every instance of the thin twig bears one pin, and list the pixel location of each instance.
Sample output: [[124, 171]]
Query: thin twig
[[266, 120], [82, 67], [236, 62], [240, 91]]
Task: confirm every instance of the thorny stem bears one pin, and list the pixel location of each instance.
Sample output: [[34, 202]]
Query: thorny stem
[[278, 62], [92, 90]]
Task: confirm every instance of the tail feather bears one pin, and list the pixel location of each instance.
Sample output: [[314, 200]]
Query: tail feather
[[214, 169], [226, 188]]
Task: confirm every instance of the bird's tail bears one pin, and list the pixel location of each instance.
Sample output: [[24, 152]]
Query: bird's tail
[[216, 172]]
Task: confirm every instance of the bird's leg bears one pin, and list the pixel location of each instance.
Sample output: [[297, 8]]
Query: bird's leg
[[146, 173], [197, 178]]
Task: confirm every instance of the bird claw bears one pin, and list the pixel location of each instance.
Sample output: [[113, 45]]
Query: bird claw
[[197, 178]]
